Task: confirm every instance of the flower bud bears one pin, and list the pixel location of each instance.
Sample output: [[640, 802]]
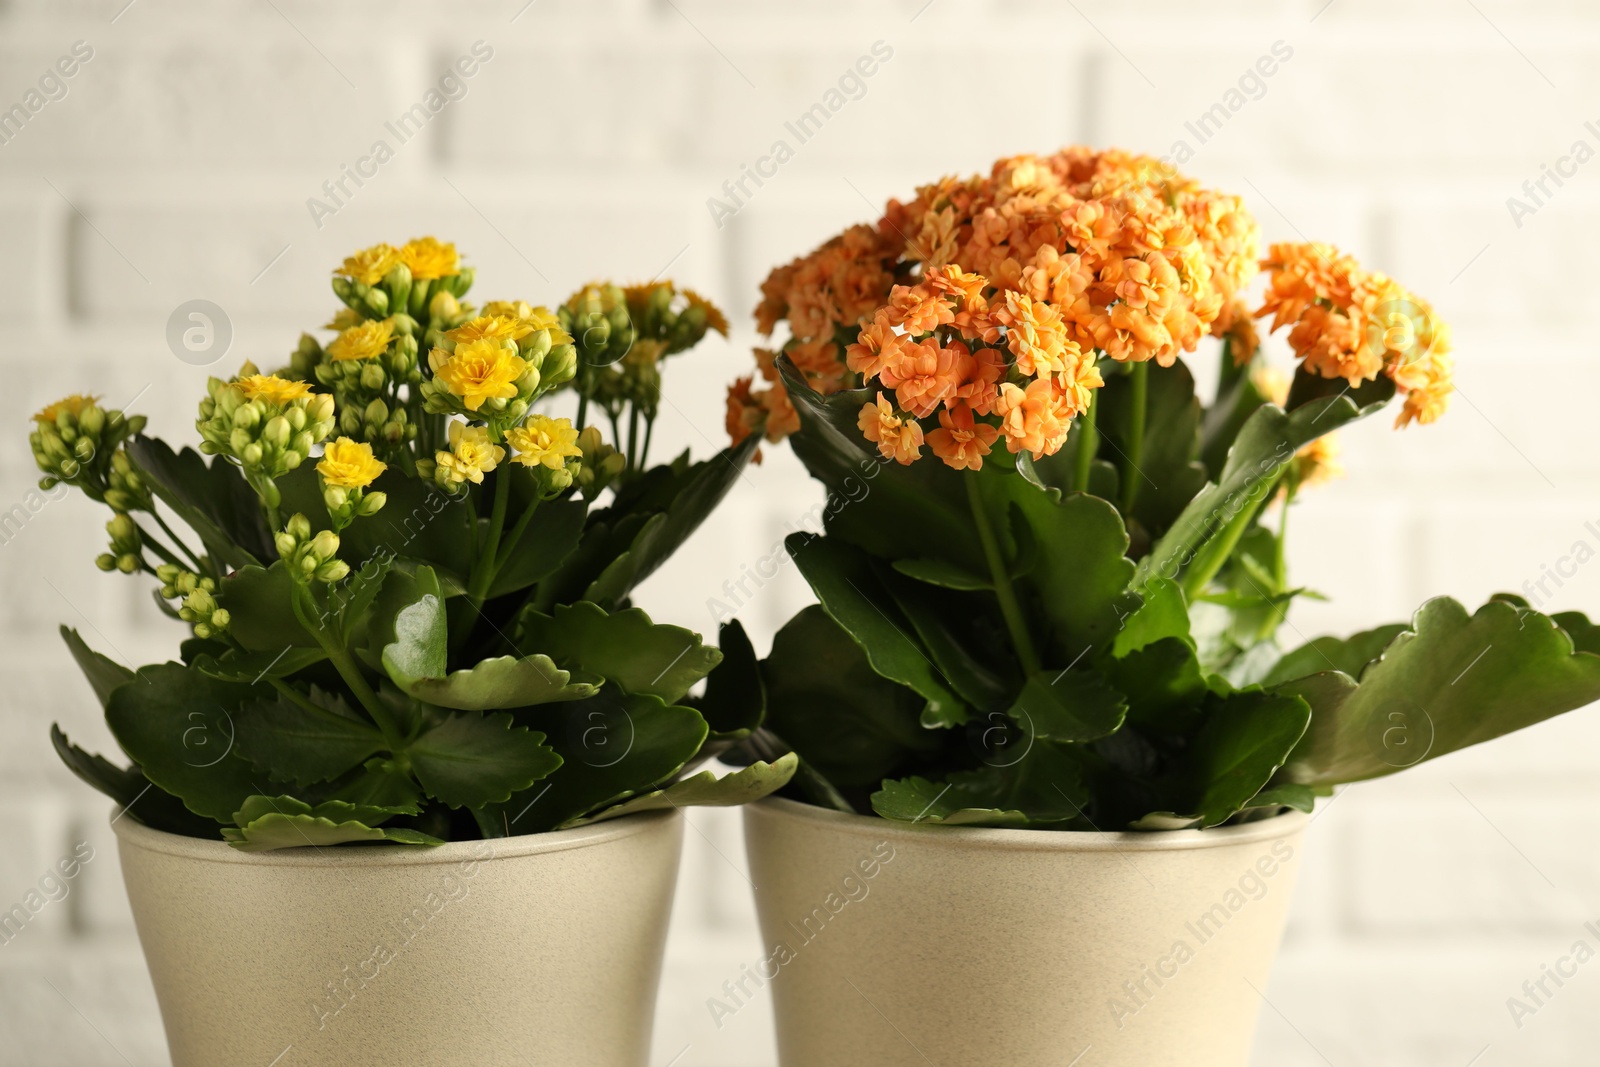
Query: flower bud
[[128, 563], [106, 561], [298, 527], [335, 496], [372, 376], [372, 503], [333, 571], [377, 302], [326, 544], [285, 543], [443, 306]]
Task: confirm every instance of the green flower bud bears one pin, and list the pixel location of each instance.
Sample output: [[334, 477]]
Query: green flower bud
[[277, 431], [333, 571], [128, 563], [372, 503], [335, 496], [377, 302], [326, 544], [91, 421], [372, 376], [443, 306], [298, 527], [106, 561], [285, 543]]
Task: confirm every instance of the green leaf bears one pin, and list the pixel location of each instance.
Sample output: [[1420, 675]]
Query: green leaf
[[613, 746], [1350, 655], [1163, 684], [624, 647], [884, 497], [260, 604], [132, 791], [214, 500], [420, 521], [288, 743], [1164, 613], [702, 488], [842, 576], [1044, 787], [938, 572], [178, 725], [383, 784], [962, 635], [706, 789], [551, 536], [502, 682], [1450, 681], [1209, 527], [470, 760], [1069, 706], [1082, 577], [411, 621], [1246, 738], [825, 700], [267, 823], [1299, 797], [1171, 475], [735, 700], [104, 674], [252, 667]]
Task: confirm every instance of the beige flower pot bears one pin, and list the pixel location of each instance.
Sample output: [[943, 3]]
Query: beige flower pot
[[544, 949], [909, 946]]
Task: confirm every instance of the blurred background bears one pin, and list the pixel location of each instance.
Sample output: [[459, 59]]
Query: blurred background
[[201, 152]]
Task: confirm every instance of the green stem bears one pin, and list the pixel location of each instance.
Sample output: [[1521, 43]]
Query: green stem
[[633, 437], [484, 566], [342, 662], [1009, 608], [1280, 568], [1088, 444], [157, 547], [583, 411], [185, 549], [649, 432], [1132, 476], [510, 543]]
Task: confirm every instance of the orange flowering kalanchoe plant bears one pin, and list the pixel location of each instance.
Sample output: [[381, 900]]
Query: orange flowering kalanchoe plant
[[1070, 620], [406, 587]]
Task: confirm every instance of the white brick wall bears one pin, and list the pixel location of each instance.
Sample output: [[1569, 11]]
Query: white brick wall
[[179, 164]]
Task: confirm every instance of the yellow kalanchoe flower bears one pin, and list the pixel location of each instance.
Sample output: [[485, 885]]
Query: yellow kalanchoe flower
[[430, 258], [272, 389], [73, 405], [349, 464], [471, 455], [536, 318], [479, 371], [715, 319], [369, 265], [542, 440], [363, 341], [490, 328], [343, 319]]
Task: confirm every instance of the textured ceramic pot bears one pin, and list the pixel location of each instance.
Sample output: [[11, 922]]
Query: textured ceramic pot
[[908, 946], [544, 949]]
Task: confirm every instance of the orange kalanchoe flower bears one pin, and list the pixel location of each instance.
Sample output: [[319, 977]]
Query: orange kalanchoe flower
[[1035, 419], [897, 438], [961, 441]]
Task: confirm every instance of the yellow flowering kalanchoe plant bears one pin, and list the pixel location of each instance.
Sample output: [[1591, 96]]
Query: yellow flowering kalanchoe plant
[[407, 581], [1052, 576]]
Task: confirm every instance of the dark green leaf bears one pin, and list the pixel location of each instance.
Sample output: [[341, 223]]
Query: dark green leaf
[[1350, 655], [382, 784], [214, 500], [267, 823], [470, 760], [420, 521], [133, 792], [1168, 466], [261, 609], [502, 682], [706, 789], [252, 667], [1163, 685], [1163, 614], [624, 647], [1044, 787], [735, 700], [843, 718], [938, 572], [1299, 797], [1069, 706], [551, 536], [842, 576], [954, 629], [1245, 739], [104, 674], [288, 743]]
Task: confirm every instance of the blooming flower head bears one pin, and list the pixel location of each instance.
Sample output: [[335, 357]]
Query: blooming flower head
[[349, 464], [899, 439], [961, 441], [927, 375], [544, 441], [743, 415], [363, 341], [479, 371], [73, 405], [471, 455], [429, 258], [715, 319], [1035, 419], [534, 317], [490, 328], [272, 389], [369, 265]]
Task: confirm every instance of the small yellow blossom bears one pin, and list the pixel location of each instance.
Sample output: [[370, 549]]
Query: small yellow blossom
[[429, 258], [715, 319], [490, 328], [479, 371], [364, 341], [349, 464], [1318, 461], [72, 405], [537, 318], [369, 265], [544, 440], [272, 389], [343, 319], [471, 455]]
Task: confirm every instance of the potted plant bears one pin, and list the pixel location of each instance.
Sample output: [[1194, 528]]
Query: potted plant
[[1054, 766], [408, 794]]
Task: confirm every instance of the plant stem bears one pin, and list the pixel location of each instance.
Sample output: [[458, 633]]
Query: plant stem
[[649, 432], [510, 543], [1280, 568], [1131, 474], [583, 411], [339, 656], [1088, 444], [175, 538], [633, 438], [1009, 608], [484, 566]]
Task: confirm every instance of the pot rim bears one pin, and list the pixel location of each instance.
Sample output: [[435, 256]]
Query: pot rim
[[130, 831], [1018, 840]]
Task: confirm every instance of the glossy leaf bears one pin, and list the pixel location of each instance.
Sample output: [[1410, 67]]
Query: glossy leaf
[[707, 789], [550, 537], [420, 521], [268, 823], [103, 673], [258, 600], [135, 795], [470, 760], [289, 743], [624, 647], [1044, 787], [735, 700], [1069, 706]]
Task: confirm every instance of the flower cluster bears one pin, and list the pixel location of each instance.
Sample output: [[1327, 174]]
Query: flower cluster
[[266, 424], [1347, 322], [1048, 264]]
